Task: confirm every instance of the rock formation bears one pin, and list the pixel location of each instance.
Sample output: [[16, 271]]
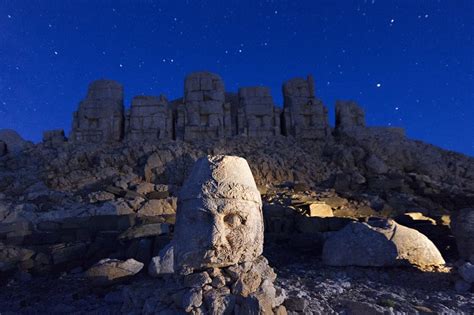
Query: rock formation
[[380, 243], [100, 116], [204, 113], [257, 115], [53, 138], [149, 119], [304, 116], [349, 115], [13, 142]]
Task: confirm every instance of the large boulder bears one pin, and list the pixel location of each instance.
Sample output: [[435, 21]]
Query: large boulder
[[462, 225], [380, 243], [219, 220]]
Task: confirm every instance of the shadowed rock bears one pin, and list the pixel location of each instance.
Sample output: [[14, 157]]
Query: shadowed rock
[[257, 114], [304, 115], [380, 243], [99, 117], [149, 119]]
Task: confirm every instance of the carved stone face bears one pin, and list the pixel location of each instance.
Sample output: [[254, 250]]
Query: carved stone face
[[219, 219]]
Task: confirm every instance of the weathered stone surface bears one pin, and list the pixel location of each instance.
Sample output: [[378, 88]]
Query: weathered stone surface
[[257, 114], [155, 207], [110, 271], [219, 219], [204, 113], [462, 224], [149, 119], [349, 115], [466, 271], [145, 231], [380, 243], [163, 263], [100, 116], [304, 115], [54, 138], [320, 209], [13, 142]]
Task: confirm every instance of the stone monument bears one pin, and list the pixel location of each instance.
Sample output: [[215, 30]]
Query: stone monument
[[304, 116], [218, 244], [149, 119], [257, 114], [100, 116], [349, 115], [205, 113]]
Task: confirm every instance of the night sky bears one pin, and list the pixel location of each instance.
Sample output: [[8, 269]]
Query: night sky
[[409, 63]]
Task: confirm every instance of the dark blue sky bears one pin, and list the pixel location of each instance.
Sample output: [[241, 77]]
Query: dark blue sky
[[409, 63]]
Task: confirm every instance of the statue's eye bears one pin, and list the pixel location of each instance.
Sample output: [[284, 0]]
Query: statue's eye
[[233, 220]]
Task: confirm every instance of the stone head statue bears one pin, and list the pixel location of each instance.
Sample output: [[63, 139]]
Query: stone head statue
[[219, 218]]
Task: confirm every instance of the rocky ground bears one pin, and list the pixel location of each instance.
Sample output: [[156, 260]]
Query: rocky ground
[[71, 205], [311, 287]]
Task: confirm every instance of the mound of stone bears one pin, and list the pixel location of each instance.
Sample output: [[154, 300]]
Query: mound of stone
[[379, 243]]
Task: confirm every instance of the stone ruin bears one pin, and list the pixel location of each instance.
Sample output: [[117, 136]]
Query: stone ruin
[[100, 117], [207, 112], [53, 138], [257, 114], [216, 251], [149, 119], [204, 113], [304, 116], [349, 115]]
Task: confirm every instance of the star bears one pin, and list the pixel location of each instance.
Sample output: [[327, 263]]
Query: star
[[121, 65], [379, 85], [55, 52], [397, 108]]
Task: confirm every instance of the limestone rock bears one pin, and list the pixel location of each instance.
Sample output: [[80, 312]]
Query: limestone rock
[[109, 271], [257, 115], [204, 113], [320, 209], [53, 138], [349, 115], [219, 218], [304, 115], [462, 225], [163, 263], [13, 142], [149, 119], [380, 243], [100, 116]]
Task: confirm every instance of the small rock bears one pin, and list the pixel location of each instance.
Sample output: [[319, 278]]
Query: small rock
[[197, 280], [296, 304]]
